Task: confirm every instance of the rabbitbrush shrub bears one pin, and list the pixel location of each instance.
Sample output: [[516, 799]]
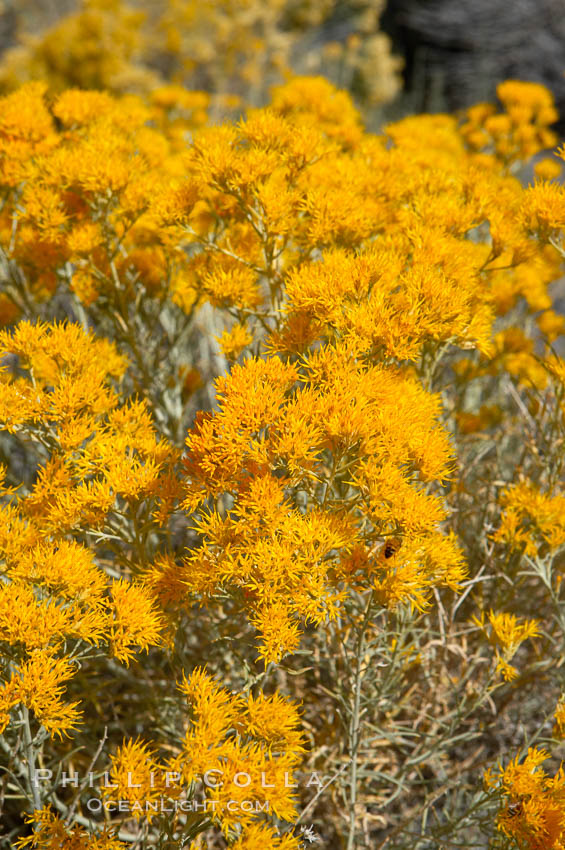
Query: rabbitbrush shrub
[[282, 518]]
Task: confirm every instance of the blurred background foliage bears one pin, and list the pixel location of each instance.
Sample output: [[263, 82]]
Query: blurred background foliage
[[233, 50], [395, 56]]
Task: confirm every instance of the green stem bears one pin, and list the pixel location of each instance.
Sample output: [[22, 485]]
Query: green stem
[[355, 724], [29, 750]]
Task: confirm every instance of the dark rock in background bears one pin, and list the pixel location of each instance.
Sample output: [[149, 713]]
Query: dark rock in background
[[456, 51]]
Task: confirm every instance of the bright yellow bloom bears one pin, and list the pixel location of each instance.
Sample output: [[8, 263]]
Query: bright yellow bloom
[[136, 622], [533, 811], [51, 833], [559, 720], [531, 518], [506, 634]]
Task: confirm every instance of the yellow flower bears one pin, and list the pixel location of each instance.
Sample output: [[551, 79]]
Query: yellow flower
[[533, 803], [559, 720], [39, 685], [547, 169], [506, 634], [137, 776], [551, 324], [136, 622], [50, 832], [234, 341], [531, 518]]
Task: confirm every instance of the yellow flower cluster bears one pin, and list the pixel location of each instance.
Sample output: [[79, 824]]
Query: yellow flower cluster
[[531, 519], [345, 434], [235, 749], [533, 810], [95, 460], [340, 275], [78, 194], [506, 634], [50, 831], [517, 131], [559, 720]]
